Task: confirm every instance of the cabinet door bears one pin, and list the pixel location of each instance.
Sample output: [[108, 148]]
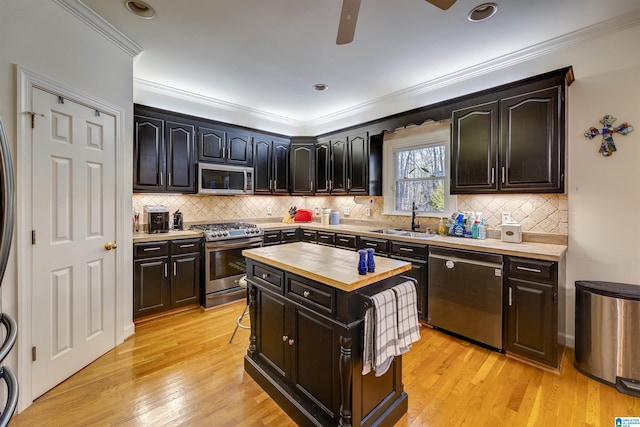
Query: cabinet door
[[314, 370], [262, 163], [151, 282], [303, 169], [211, 144], [148, 154], [180, 157], [358, 166], [280, 170], [239, 148], [532, 154], [338, 176], [272, 339], [532, 319], [474, 140], [185, 282], [323, 167]]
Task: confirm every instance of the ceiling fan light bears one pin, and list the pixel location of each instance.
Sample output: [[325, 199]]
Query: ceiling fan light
[[320, 87], [140, 8], [482, 12]]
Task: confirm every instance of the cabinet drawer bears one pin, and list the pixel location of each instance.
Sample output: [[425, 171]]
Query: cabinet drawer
[[289, 235], [533, 269], [326, 238], [185, 246], [311, 294], [150, 249], [271, 237], [381, 246], [345, 241], [268, 277], [309, 236], [408, 250]]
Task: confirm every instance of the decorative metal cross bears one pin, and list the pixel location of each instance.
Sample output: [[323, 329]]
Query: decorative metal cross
[[608, 147]]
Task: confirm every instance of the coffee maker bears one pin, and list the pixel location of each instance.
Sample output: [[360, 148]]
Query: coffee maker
[[157, 218]]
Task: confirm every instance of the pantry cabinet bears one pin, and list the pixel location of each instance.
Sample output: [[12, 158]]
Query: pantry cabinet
[[512, 140]]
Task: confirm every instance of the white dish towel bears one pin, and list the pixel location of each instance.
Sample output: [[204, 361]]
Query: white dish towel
[[407, 309], [380, 333]]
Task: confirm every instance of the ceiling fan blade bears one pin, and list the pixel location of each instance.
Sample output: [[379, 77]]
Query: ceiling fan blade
[[348, 18], [442, 4]]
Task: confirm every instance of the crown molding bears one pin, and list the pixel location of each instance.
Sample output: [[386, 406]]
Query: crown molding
[[97, 23], [213, 102]]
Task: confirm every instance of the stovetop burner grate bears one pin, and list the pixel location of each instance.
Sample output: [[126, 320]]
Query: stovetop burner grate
[[228, 230]]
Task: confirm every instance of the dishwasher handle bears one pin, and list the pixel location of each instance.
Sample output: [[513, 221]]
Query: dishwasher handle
[[455, 259]]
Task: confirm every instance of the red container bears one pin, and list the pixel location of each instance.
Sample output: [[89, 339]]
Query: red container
[[304, 215]]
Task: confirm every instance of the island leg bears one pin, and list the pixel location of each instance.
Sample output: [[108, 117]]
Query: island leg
[[346, 373], [252, 319]]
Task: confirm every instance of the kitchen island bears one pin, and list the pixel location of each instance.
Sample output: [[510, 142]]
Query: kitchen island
[[307, 305]]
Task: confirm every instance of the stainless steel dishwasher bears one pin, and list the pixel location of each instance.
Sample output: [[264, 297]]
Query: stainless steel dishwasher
[[465, 294]]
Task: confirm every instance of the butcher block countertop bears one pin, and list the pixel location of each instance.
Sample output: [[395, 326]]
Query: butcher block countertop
[[331, 266]]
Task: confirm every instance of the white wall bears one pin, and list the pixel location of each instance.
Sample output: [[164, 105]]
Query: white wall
[[44, 38]]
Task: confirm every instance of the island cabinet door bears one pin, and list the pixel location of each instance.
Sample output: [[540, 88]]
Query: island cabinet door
[[315, 359], [272, 341]]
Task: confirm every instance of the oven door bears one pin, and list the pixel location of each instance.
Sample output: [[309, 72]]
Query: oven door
[[225, 264]]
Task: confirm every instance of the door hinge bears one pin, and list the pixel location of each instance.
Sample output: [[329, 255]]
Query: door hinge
[[33, 353], [33, 118], [33, 237]]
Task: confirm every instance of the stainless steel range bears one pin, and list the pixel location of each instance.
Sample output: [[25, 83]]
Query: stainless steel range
[[224, 263]]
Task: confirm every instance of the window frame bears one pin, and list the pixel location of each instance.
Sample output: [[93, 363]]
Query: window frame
[[428, 134]]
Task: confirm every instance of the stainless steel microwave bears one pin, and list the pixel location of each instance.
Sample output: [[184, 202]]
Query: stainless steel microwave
[[224, 179]]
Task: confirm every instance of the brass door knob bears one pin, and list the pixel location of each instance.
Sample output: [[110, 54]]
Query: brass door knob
[[110, 245]]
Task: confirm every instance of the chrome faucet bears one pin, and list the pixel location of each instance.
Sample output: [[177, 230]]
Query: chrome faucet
[[414, 210]]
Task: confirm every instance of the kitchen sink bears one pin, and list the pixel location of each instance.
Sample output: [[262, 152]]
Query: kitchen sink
[[405, 233]]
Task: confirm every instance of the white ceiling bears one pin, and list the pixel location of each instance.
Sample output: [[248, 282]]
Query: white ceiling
[[265, 55]]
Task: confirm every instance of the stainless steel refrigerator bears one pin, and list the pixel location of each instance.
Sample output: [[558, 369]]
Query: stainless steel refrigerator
[[6, 233]]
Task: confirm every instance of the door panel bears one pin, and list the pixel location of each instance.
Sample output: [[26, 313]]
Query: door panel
[[73, 276], [148, 153], [180, 161], [273, 347]]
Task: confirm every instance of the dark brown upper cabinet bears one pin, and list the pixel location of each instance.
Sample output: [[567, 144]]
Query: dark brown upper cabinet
[[302, 168], [218, 144], [270, 165], [342, 164], [164, 156], [511, 141]]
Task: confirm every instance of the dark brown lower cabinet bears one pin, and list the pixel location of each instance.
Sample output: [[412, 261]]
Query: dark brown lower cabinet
[[532, 325], [305, 351], [166, 276]]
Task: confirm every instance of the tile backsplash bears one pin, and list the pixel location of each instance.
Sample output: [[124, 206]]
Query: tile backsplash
[[537, 213]]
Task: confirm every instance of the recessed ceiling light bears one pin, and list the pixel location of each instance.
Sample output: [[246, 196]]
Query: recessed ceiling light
[[320, 87], [482, 12], [140, 8]]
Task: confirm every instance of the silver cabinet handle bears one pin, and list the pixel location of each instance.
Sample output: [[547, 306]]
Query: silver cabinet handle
[[265, 276], [160, 178], [343, 240], [166, 273], [503, 174], [306, 294], [169, 178], [510, 296], [348, 183], [493, 175], [311, 185], [405, 249], [175, 268], [291, 341], [532, 270], [155, 248], [371, 244], [187, 246], [285, 338]]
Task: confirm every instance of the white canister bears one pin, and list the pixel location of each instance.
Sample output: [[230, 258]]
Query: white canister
[[511, 233], [324, 218]]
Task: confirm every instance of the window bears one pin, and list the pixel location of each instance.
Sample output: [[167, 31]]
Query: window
[[416, 170]]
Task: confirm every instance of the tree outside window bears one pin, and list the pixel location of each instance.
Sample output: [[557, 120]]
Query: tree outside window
[[420, 177]]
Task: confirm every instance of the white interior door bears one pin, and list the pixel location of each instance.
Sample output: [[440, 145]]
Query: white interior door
[[73, 274]]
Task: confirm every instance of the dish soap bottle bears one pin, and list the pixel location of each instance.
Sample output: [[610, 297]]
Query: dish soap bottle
[[441, 227]]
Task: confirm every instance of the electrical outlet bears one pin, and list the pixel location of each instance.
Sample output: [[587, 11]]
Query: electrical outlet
[[506, 217], [269, 211], [367, 211], [346, 211], [316, 211]]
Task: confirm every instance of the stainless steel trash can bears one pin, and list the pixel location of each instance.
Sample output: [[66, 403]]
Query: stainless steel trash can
[[608, 333]]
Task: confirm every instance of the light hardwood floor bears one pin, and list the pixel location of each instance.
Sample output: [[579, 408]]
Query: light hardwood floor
[[180, 370]]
